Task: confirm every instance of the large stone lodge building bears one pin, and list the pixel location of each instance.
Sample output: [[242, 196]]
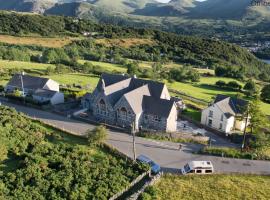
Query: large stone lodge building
[[125, 101]]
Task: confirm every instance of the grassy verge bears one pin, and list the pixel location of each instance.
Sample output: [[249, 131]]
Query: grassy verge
[[226, 152], [233, 187], [168, 138]]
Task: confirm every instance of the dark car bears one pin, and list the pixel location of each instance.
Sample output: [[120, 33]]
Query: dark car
[[155, 168]]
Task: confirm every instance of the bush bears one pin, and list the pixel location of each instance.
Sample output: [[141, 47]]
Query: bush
[[265, 93], [227, 152], [234, 85], [149, 193], [221, 84], [97, 136]]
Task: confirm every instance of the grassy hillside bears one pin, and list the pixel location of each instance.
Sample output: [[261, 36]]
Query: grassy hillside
[[129, 43], [39, 162], [233, 187], [57, 42]]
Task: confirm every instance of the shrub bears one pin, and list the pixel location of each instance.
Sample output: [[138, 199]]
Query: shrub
[[265, 93], [97, 136], [221, 84]]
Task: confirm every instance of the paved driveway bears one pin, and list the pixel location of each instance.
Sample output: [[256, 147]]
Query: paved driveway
[[164, 153]]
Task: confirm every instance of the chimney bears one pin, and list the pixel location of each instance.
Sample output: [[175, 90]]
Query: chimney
[[134, 76]]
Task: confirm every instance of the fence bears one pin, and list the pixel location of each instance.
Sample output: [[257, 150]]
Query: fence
[[137, 180], [194, 99], [153, 180]]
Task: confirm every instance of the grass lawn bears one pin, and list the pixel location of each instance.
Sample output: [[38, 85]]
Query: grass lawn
[[203, 89], [29, 67], [206, 90], [82, 79], [194, 114], [37, 41], [210, 187], [107, 66]]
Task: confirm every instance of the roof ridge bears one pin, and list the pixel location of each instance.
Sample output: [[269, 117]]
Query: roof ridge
[[137, 89]]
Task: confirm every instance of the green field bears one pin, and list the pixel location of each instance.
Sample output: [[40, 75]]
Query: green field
[[107, 66], [231, 187], [29, 67], [76, 78], [204, 90]]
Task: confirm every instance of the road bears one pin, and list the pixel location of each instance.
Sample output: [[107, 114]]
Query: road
[[164, 153]]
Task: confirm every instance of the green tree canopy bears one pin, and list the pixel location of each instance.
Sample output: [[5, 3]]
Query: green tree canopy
[[97, 136]]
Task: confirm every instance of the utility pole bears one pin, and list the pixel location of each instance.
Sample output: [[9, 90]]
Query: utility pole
[[245, 132], [134, 142], [22, 86]]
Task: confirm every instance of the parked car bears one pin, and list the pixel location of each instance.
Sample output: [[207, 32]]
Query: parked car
[[155, 168], [198, 167]]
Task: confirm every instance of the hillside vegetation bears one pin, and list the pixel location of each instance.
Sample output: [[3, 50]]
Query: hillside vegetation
[[234, 187], [226, 19], [143, 44], [39, 162]]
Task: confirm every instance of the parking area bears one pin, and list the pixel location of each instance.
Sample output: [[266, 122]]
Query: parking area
[[190, 128]]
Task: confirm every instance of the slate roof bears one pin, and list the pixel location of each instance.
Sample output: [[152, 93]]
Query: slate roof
[[230, 106], [142, 95], [135, 98], [159, 107], [115, 86], [44, 93], [29, 82]]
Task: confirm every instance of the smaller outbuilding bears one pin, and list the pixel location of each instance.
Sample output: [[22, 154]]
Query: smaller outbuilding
[[48, 96], [42, 90]]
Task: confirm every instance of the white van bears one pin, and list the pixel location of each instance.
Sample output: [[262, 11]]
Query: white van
[[198, 167]]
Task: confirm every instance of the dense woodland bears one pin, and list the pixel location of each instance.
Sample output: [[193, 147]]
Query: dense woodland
[[201, 53], [37, 162]]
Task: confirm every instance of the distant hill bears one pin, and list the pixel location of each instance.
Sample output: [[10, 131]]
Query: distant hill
[[226, 19]]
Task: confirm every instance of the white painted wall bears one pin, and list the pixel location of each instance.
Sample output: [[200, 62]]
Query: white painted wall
[[57, 98], [172, 120], [227, 124], [165, 93], [52, 85]]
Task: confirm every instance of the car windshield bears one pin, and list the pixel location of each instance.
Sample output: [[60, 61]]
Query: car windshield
[[187, 168], [151, 163]]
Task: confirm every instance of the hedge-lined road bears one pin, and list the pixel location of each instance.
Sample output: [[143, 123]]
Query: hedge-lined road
[[164, 153]]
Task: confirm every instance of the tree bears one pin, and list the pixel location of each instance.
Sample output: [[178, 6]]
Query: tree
[[156, 67], [257, 118], [194, 75], [221, 84], [265, 93], [49, 70], [133, 68], [250, 88], [97, 136], [234, 85]]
